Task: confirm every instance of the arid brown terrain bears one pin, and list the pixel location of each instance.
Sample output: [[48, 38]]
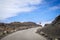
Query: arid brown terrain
[[7, 28]]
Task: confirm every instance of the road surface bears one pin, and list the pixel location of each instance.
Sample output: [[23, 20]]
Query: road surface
[[28, 34]]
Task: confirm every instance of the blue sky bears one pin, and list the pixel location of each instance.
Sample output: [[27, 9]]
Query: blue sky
[[43, 11]]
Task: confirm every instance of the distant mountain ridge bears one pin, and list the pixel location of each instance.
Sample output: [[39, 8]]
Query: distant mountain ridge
[[18, 25], [7, 28]]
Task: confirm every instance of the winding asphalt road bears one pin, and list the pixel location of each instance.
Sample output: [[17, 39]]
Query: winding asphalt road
[[28, 34]]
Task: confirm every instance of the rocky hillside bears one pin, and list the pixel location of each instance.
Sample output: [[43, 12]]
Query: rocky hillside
[[53, 29], [18, 25], [57, 20], [7, 28]]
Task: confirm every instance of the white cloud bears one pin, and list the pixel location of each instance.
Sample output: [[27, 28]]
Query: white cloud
[[46, 22], [55, 8], [10, 8]]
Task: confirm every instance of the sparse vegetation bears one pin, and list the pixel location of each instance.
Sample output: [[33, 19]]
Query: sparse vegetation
[[7, 28]]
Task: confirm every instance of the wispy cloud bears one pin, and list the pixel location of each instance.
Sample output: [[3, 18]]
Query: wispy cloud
[[10, 8], [55, 7]]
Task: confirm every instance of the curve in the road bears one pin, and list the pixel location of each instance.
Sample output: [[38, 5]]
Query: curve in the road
[[28, 34]]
